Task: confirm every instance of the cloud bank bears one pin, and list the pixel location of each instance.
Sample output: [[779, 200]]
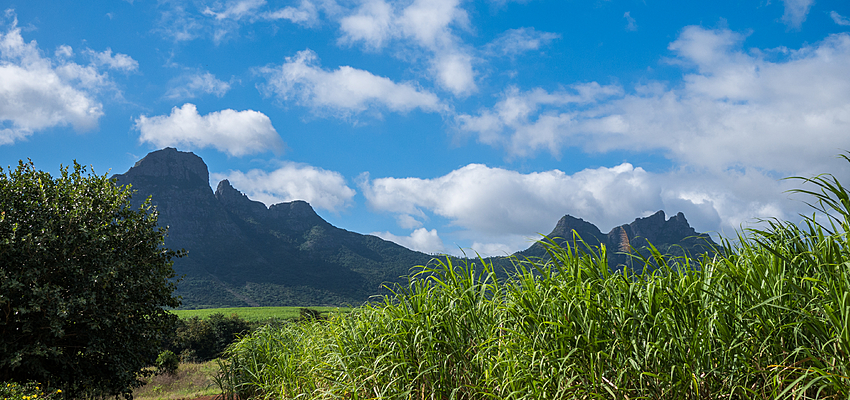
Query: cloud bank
[[503, 210], [236, 133], [733, 109]]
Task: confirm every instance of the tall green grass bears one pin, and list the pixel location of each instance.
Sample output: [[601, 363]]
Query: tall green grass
[[764, 318]]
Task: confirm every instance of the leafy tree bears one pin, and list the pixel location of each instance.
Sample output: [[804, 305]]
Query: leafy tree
[[84, 282]]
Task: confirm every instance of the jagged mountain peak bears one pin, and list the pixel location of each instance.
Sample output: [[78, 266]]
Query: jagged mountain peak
[[233, 199]]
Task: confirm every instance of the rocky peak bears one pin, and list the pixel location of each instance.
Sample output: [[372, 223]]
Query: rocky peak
[[567, 224], [237, 201], [171, 166], [656, 229], [648, 227]]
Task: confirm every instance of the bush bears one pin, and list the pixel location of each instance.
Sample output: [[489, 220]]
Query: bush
[[27, 391], [167, 362], [205, 339], [84, 282]]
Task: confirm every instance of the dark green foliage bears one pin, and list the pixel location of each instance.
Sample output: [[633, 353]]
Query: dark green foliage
[[205, 339], [167, 362], [84, 282]]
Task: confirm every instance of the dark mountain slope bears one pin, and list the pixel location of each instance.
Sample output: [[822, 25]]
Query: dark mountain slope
[[242, 253]]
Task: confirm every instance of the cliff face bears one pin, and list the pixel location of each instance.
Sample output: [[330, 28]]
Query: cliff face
[[241, 253]]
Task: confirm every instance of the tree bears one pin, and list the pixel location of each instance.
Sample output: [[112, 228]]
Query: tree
[[85, 281]]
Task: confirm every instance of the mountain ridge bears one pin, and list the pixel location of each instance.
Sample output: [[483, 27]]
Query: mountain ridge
[[240, 252]]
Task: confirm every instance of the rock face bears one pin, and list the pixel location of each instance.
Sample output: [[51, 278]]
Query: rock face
[[673, 237], [242, 253]]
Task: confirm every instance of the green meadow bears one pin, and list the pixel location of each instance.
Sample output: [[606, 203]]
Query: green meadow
[[765, 318], [257, 314]]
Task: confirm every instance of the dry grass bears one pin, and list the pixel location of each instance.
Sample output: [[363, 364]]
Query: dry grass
[[192, 380]]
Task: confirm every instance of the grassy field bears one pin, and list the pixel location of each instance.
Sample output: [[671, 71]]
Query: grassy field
[[768, 317], [191, 381], [253, 314]]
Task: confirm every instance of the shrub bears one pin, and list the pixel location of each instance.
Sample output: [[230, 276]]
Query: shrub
[[205, 339], [167, 362]]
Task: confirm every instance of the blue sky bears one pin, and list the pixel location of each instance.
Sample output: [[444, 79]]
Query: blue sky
[[445, 124]]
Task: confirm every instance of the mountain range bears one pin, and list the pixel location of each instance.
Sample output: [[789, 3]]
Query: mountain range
[[242, 253]]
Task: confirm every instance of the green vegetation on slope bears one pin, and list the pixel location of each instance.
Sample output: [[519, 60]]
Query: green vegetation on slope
[[766, 318]]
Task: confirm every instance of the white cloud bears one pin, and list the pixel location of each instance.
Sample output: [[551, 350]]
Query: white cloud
[[118, 61], [839, 19], [733, 109], [306, 14], [515, 113], [488, 199], [516, 41], [424, 24], [321, 188], [454, 72], [237, 133], [796, 12], [503, 210], [373, 24], [38, 93], [344, 91], [64, 51], [192, 85], [420, 240]]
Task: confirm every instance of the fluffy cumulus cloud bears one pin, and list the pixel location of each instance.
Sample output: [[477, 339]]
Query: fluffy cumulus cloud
[[344, 91], [38, 93], [420, 240], [423, 24], [236, 133], [505, 210], [321, 188], [733, 109], [502, 202], [191, 85]]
